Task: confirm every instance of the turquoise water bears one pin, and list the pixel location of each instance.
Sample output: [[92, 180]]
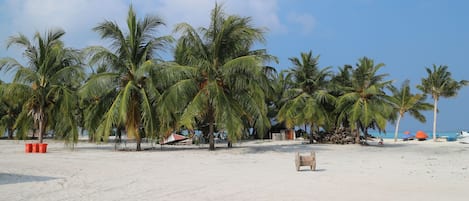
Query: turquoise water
[[390, 135]]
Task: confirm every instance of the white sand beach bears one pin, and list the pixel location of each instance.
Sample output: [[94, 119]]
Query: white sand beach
[[256, 170]]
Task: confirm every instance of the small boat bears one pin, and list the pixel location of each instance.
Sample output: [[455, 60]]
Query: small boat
[[421, 136], [173, 138], [463, 137], [463, 134]]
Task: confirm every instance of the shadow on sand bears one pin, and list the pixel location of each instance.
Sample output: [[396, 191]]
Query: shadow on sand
[[284, 148], [306, 169], [246, 146], [7, 178]]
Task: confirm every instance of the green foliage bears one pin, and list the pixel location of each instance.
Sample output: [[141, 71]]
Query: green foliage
[[439, 83], [124, 91], [364, 103], [404, 101], [216, 82], [223, 82], [47, 85], [308, 96]]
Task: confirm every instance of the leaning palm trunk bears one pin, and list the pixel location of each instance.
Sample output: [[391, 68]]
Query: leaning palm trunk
[[435, 110], [397, 127]]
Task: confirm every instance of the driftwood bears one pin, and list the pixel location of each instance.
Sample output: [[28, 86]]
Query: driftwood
[[338, 136], [305, 161]]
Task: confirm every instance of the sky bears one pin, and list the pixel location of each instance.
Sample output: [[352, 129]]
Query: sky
[[405, 35]]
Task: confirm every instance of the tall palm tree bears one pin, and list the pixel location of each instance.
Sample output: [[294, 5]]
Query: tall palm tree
[[338, 83], [307, 100], [126, 94], [364, 103], [48, 82], [221, 82], [439, 83], [404, 101], [279, 85]]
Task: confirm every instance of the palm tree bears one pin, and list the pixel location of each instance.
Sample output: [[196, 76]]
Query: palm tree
[[439, 83], [306, 101], [364, 103], [279, 84], [220, 83], [126, 94], [338, 83], [11, 103], [404, 101], [48, 84]]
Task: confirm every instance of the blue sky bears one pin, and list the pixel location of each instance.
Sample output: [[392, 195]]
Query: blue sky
[[406, 35]]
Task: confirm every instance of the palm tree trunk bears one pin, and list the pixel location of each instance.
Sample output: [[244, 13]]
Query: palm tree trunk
[[365, 134], [10, 133], [42, 125], [397, 127], [435, 110], [357, 135], [41, 132], [119, 134], [311, 140], [138, 139], [210, 136], [211, 128]]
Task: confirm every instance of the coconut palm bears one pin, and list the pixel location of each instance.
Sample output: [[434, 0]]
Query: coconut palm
[[123, 92], [307, 99], [279, 85], [404, 101], [364, 103], [439, 83], [48, 84], [220, 83]]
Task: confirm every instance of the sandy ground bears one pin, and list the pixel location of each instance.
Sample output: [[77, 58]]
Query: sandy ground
[[256, 170]]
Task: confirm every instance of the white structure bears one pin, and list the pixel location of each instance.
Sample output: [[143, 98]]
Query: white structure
[[463, 137]]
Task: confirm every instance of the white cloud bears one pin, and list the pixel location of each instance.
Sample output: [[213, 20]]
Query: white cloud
[[264, 13], [76, 17], [305, 21]]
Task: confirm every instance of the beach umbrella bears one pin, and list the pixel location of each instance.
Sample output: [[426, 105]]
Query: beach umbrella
[[421, 135]]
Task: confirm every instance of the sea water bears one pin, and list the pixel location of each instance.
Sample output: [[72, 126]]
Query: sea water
[[390, 135]]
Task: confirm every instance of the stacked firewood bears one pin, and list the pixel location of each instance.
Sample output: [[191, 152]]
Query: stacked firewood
[[340, 136]]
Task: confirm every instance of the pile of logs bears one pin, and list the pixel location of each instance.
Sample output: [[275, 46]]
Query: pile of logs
[[340, 136]]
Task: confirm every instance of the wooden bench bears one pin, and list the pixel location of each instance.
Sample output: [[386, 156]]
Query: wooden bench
[[305, 161]]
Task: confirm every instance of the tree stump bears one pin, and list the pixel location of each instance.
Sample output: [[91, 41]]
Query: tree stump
[[305, 161]]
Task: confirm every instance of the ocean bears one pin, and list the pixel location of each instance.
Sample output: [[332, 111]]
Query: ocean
[[390, 135]]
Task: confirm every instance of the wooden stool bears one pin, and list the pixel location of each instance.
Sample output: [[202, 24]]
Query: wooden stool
[[305, 161]]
